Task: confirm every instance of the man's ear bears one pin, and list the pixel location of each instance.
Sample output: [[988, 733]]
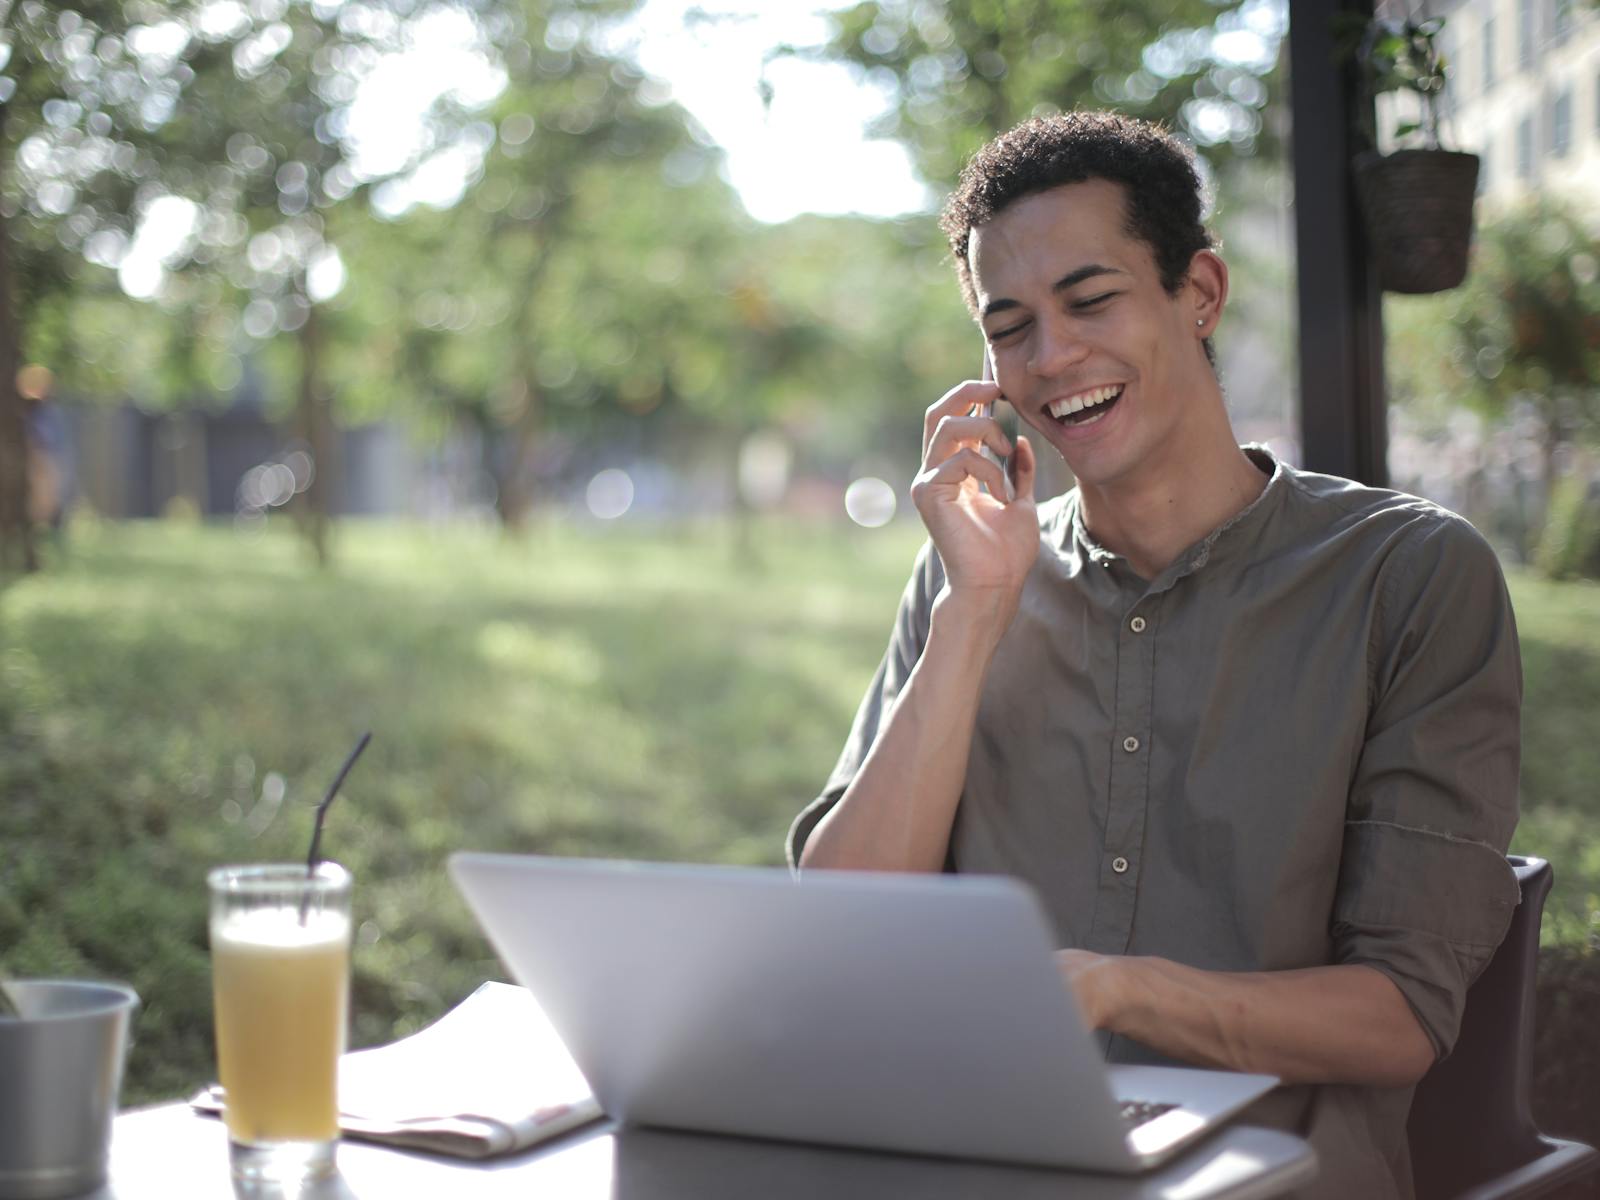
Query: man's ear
[[1205, 292]]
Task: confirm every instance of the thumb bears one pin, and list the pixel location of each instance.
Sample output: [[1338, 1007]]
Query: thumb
[[1022, 468]]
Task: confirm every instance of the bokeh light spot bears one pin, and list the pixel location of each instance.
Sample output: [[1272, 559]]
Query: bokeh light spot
[[610, 494], [869, 502]]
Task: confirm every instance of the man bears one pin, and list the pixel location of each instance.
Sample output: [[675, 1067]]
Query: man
[[1252, 733]]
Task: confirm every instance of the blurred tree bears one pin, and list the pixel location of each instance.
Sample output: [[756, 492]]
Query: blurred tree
[[1528, 325], [577, 279], [601, 279], [1519, 341], [898, 335], [115, 121], [276, 172], [81, 89], [205, 151], [626, 299], [956, 72]]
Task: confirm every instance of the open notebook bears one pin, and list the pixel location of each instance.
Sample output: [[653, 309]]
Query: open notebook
[[489, 1077]]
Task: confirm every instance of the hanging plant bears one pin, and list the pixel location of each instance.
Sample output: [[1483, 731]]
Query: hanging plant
[[1417, 201]]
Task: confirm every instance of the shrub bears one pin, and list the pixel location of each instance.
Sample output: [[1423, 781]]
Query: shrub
[[1569, 547]]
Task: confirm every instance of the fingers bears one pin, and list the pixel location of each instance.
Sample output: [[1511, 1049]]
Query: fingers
[[959, 467], [957, 402], [1023, 467], [964, 433]]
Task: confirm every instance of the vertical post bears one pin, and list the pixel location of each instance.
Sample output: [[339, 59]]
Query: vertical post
[[1343, 413], [316, 505], [17, 550]]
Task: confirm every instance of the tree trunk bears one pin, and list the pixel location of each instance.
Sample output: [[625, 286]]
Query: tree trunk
[[746, 549], [16, 528], [513, 489], [315, 422], [1554, 437]]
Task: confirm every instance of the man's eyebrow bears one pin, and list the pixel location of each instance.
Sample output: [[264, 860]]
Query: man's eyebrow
[[1070, 280]]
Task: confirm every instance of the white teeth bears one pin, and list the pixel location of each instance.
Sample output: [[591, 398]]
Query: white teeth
[[1083, 400]]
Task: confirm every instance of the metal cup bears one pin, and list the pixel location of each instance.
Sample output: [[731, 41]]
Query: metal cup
[[60, 1072]]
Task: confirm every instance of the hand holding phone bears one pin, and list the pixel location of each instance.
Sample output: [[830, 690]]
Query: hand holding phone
[[1007, 463], [980, 515]]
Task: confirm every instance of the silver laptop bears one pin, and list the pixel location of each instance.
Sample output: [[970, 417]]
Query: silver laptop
[[897, 1012]]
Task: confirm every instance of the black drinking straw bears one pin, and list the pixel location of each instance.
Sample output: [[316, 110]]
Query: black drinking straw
[[322, 813]]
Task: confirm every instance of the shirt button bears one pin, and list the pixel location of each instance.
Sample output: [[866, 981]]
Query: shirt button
[[1137, 624], [1130, 744], [1119, 864]]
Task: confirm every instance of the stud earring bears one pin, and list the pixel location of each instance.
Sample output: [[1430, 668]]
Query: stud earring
[[1199, 322]]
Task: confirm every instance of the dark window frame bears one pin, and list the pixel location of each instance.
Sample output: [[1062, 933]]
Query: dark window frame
[[1527, 34], [1561, 123]]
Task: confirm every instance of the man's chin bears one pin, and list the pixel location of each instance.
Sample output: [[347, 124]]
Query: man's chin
[[1098, 463], [1103, 467]]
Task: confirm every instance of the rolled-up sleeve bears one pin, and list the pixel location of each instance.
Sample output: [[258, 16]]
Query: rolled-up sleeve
[[905, 648], [1425, 893]]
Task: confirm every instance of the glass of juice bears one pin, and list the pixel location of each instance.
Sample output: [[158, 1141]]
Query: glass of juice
[[280, 969]]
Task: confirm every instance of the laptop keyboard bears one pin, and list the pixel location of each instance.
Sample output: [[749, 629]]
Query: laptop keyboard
[[1135, 1113]]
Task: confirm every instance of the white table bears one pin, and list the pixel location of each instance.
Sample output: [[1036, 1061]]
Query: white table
[[169, 1153]]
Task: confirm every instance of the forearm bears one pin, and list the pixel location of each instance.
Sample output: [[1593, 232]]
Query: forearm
[[1335, 1024], [897, 812]]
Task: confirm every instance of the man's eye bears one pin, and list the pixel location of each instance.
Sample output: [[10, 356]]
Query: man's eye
[[1002, 334]]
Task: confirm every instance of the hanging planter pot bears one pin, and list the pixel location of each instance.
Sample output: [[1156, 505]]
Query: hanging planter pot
[[1417, 203], [1418, 209]]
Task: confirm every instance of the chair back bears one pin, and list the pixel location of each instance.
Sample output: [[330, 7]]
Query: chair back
[[1472, 1118]]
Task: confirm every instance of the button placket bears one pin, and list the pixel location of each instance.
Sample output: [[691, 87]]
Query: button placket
[[1112, 924]]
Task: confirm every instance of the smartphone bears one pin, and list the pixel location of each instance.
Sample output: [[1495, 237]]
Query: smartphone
[[1009, 426]]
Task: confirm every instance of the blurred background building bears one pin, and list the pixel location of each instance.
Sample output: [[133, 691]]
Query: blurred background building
[[1525, 96]]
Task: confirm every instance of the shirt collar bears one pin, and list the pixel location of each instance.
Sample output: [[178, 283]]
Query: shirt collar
[[1201, 552]]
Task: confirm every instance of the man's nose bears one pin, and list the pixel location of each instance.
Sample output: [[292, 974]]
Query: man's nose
[[1057, 346]]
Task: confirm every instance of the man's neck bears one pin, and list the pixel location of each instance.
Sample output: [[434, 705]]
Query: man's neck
[[1156, 516]]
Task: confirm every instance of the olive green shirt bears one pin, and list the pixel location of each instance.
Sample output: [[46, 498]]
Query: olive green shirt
[[1297, 746]]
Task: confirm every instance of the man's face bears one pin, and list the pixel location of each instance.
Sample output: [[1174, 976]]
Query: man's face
[[1076, 318]]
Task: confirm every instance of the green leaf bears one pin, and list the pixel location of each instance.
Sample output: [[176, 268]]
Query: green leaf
[[1390, 46]]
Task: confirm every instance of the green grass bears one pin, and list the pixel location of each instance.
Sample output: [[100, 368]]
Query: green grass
[[641, 693], [1559, 625], [630, 691]]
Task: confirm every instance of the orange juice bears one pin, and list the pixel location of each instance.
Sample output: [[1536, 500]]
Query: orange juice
[[282, 993]]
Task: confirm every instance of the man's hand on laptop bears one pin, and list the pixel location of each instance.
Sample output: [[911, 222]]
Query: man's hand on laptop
[[1092, 980], [987, 543], [1339, 1024]]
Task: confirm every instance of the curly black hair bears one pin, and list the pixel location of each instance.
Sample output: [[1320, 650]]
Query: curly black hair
[[1156, 172]]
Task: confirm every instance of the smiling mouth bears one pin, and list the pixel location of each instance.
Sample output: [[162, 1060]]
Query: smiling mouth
[[1087, 407]]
